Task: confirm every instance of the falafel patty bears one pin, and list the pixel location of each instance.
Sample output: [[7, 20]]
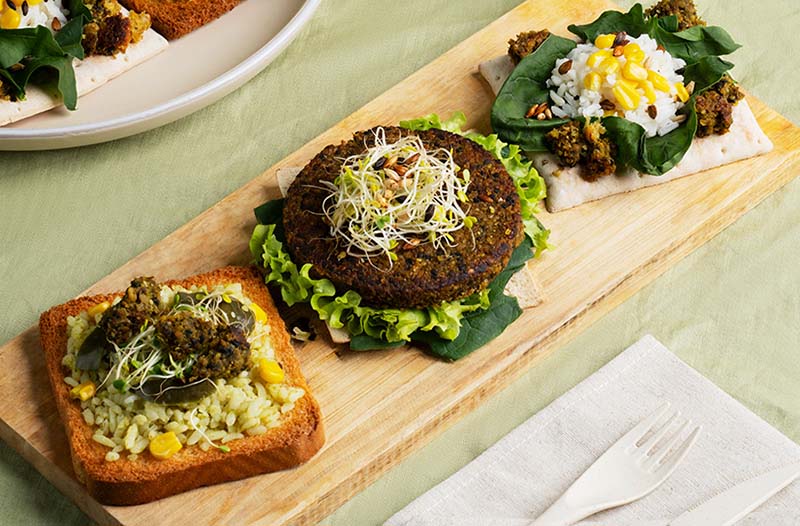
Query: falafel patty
[[421, 276]]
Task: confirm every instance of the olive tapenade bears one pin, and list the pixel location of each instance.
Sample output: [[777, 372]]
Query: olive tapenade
[[110, 32], [715, 107], [585, 144], [138, 305], [526, 43], [160, 340], [684, 10]]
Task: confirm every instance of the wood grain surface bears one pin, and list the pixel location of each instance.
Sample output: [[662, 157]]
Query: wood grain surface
[[381, 406]]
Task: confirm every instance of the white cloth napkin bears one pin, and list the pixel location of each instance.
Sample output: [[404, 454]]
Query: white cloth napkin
[[517, 478]]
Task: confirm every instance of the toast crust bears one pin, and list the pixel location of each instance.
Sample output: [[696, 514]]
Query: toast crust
[[173, 19], [127, 482]]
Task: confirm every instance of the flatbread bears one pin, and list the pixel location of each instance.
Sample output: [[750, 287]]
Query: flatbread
[[566, 188], [523, 285], [90, 74]]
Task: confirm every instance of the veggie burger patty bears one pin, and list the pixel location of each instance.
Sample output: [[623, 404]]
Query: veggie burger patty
[[420, 275]]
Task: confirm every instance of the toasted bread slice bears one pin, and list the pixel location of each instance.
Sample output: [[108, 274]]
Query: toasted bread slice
[[126, 482], [175, 19]]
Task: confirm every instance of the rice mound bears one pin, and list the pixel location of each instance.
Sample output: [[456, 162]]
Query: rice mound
[[241, 406], [571, 99], [43, 14]]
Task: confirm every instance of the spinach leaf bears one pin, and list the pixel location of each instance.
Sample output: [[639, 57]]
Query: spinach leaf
[[271, 213], [705, 72], [60, 67], [480, 327], [46, 59], [70, 36], [632, 22], [6, 78], [651, 155], [524, 88], [628, 136], [16, 44], [660, 154], [694, 43], [77, 9]]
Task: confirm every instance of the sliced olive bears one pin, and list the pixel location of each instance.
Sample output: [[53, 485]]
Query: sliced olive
[[92, 351], [186, 298], [238, 315], [172, 391]]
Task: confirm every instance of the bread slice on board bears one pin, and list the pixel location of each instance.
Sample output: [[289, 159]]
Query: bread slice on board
[[125, 482], [175, 19]]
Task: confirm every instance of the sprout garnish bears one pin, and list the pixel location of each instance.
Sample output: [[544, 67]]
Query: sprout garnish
[[193, 425], [397, 195], [142, 358]]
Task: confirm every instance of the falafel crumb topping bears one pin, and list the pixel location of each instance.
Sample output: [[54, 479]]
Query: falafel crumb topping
[[396, 195]]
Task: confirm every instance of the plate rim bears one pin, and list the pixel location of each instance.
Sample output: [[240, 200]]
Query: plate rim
[[220, 85]]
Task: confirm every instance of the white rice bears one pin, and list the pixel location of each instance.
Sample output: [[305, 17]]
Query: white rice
[[241, 406], [571, 99], [42, 14]]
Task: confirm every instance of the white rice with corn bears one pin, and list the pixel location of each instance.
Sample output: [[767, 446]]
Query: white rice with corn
[[32, 13], [639, 83], [239, 407]]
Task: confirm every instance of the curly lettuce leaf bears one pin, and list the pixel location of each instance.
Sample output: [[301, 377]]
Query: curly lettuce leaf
[[699, 46], [530, 185], [454, 124], [345, 310]]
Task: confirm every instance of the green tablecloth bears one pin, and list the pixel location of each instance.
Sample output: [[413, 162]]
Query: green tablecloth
[[67, 218]]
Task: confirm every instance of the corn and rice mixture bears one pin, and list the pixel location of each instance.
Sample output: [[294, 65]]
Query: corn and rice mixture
[[637, 80], [16, 14], [241, 406]]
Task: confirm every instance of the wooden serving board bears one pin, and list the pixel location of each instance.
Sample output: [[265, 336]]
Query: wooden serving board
[[381, 406]]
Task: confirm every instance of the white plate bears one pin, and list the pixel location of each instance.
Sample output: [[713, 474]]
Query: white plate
[[192, 73]]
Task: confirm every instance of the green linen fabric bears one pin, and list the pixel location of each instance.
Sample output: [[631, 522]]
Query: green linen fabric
[[67, 218]]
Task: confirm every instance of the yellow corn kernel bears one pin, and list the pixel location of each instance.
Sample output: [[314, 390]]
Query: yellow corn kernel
[[649, 91], [683, 94], [100, 308], [165, 445], [83, 391], [608, 66], [270, 371], [633, 71], [626, 96], [627, 83], [597, 57], [659, 82], [633, 52], [605, 41], [259, 313], [10, 19], [593, 81]]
